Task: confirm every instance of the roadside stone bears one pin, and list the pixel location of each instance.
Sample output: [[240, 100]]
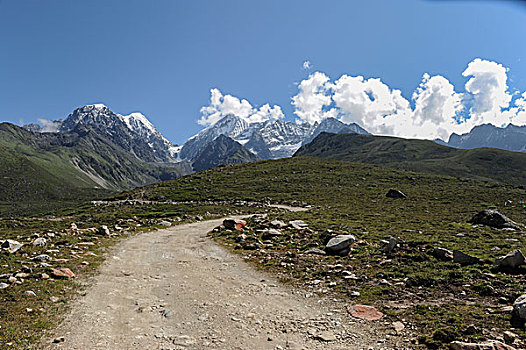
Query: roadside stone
[[62, 273], [234, 224], [392, 193], [59, 340], [315, 251], [339, 245], [511, 260], [491, 345], [464, 259], [165, 223], [442, 254], [493, 218], [3, 285], [11, 246], [365, 312], [40, 242], [519, 307], [325, 336]]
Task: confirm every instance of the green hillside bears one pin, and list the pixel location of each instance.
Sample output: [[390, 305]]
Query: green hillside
[[440, 298], [420, 155], [45, 171]]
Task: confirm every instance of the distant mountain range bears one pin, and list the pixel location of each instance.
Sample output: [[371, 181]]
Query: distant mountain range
[[511, 138], [488, 164]]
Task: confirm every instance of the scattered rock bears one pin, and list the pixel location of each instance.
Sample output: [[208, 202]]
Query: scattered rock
[[511, 260], [339, 245], [493, 218], [519, 307], [42, 257], [3, 285], [104, 230], [464, 259], [165, 223], [390, 246], [491, 345], [398, 326], [167, 313], [270, 233], [11, 246], [234, 224], [40, 242], [509, 337], [315, 251], [298, 224], [59, 340], [277, 224], [63, 273], [30, 293], [365, 312], [442, 254], [392, 193], [325, 336]]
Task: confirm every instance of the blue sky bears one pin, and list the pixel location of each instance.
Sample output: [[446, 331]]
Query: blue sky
[[162, 57]]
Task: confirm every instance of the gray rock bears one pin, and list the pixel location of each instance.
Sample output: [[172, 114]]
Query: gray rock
[[337, 245], [277, 224], [519, 307], [493, 218], [42, 257], [511, 260], [40, 242], [3, 285], [165, 223], [491, 345], [298, 224], [392, 193], [11, 246], [464, 259], [442, 254], [270, 233], [104, 230], [315, 251], [390, 246]]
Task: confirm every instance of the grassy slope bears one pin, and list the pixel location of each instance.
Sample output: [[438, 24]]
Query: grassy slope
[[351, 198], [420, 155]]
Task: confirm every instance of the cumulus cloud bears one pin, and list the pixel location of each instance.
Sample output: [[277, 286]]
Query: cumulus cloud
[[223, 105], [313, 99], [435, 110], [488, 91]]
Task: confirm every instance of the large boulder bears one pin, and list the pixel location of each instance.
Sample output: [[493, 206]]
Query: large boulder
[[442, 254], [512, 260], [339, 245], [234, 224], [392, 193], [493, 218]]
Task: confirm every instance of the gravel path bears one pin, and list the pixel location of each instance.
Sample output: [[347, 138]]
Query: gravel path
[[177, 289]]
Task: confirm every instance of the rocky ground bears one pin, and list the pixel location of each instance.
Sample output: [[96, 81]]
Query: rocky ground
[[175, 289]]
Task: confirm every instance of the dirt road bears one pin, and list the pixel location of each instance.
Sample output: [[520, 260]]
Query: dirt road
[[177, 289]]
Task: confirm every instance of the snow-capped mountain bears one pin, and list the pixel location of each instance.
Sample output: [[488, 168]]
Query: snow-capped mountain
[[511, 138], [269, 139], [134, 132]]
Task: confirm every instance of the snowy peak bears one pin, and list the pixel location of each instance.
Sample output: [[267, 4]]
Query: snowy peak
[[270, 139], [133, 132]]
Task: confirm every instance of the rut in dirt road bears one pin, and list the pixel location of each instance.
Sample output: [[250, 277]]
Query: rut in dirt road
[[177, 289]]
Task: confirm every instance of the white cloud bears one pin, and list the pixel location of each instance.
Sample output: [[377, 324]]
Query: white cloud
[[312, 99], [437, 110], [222, 105], [307, 65], [488, 92], [49, 125]]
